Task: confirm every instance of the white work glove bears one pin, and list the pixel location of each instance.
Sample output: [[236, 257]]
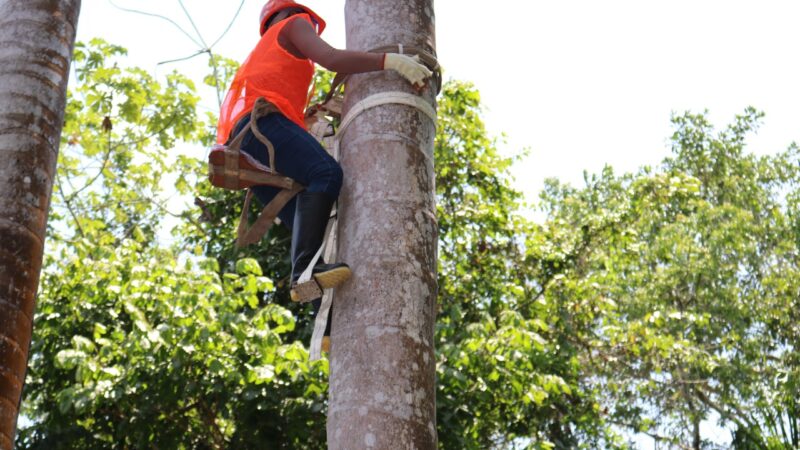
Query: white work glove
[[407, 66]]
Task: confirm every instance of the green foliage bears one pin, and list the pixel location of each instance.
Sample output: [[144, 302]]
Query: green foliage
[[644, 302], [136, 349], [120, 125], [503, 373], [222, 73], [140, 345]]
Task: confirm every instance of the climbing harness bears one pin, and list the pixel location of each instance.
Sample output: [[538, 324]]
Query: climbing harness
[[229, 168]]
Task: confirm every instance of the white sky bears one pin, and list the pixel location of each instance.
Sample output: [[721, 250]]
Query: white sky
[[582, 83]]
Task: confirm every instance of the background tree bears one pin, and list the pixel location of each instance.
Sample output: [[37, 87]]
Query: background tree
[[506, 374], [640, 302], [37, 36], [692, 280]]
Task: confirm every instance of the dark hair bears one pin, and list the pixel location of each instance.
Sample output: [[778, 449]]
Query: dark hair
[[292, 11]]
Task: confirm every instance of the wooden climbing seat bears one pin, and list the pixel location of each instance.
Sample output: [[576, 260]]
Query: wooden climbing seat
[[230, 168]]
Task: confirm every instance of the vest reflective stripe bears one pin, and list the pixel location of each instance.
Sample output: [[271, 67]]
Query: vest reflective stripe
[[270, 72]]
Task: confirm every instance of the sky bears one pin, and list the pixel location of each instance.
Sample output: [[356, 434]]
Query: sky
[[579, 83]]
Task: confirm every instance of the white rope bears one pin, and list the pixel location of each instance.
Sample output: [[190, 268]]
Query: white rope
[[321, 321], [383, 98], [330, 244]]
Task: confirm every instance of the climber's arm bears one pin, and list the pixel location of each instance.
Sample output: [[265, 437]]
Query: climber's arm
[[305, 39], [303, 36]]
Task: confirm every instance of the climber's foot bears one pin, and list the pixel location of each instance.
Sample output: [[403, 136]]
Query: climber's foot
[[332, 275], [325, 276]]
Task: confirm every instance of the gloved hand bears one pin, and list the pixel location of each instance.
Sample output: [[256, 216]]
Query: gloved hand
[[407, 66]]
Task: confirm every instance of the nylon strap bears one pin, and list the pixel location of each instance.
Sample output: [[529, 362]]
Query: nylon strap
[[261, 109], [383, 98]]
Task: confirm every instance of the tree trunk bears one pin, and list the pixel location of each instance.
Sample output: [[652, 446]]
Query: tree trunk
[[382, 372], [36, 44]]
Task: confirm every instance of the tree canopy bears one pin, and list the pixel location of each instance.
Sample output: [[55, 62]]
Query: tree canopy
[[643, 302]]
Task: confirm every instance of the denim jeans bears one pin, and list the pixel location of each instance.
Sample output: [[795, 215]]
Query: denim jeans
[[297, 155]]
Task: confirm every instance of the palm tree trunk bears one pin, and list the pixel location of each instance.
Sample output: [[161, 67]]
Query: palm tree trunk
[[382, 370], [36, 43]]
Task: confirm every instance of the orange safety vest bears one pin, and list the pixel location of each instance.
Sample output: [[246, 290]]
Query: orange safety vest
[[270, 72]]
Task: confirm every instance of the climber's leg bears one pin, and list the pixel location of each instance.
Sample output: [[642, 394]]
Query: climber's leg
[[310, 220], [299, 156], [256, 149]]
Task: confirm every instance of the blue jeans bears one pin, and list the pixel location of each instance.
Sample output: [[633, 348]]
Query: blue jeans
[[298, 155]]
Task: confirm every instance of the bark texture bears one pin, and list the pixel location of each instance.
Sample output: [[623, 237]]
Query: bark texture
[[37, 38], [382, 373]]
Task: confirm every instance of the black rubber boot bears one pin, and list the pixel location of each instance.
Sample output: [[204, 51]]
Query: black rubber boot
[[308, 231]]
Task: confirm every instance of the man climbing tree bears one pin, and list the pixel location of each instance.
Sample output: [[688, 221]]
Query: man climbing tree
[[280, 69], [38, 37]]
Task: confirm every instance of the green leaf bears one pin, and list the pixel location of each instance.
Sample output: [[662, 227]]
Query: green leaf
[[248, 266]]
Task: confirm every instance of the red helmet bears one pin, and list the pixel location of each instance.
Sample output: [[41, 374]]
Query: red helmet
[[275, 6]]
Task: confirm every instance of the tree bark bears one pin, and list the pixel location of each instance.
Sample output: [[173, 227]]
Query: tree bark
[[382, 362], [37, 38]]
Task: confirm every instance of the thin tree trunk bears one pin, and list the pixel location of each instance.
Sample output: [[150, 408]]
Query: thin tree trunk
[[36, 43], [382, 373]]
